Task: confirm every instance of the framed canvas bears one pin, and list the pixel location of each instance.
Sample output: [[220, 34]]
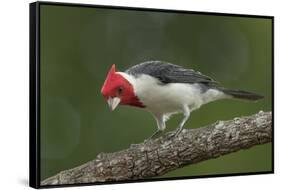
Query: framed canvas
[[192, 94]]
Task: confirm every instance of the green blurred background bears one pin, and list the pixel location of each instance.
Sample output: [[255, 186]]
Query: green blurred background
[[79, 45]]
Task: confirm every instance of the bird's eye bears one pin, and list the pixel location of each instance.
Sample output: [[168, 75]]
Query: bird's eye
[[119, 91]]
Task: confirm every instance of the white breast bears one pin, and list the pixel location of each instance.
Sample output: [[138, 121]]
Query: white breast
[[169, 98]]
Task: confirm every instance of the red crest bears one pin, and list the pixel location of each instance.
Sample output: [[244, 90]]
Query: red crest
[[108, 83]]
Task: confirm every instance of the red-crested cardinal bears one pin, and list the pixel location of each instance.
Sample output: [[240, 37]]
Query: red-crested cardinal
[[164, 89]]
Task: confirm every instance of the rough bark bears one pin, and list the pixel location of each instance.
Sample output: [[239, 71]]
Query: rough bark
[[161, 155]]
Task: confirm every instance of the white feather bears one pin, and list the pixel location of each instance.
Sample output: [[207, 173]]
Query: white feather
[[170, 98], [163, 100]]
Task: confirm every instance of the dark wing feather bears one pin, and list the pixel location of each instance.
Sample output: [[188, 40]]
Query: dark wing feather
[[169, 73]]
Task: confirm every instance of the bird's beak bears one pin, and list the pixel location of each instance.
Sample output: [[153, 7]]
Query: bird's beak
[[113, 102]]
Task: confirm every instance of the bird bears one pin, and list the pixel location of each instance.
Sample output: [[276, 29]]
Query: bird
[[165, 89]]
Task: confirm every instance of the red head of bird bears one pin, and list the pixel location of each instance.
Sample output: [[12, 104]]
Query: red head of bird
[[118, 90]]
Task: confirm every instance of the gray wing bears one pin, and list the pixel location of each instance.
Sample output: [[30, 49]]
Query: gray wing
[[169, 73]]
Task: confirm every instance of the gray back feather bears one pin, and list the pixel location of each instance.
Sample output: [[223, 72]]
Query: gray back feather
[[169, 73]]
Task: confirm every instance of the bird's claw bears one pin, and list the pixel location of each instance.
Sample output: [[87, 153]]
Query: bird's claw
[[148, 141], [173, 134]]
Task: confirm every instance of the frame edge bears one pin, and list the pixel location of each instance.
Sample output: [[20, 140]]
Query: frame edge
[[34, 166]]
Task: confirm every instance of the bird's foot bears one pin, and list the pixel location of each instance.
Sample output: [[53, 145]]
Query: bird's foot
[[151, 140], [174, 134], [147, 140], [170, 135]]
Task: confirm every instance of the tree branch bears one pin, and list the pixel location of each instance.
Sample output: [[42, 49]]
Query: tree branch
[[163, 154]]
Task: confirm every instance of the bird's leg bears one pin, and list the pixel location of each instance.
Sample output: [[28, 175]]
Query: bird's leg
[[161, 127], [180, 128], [156, 133]]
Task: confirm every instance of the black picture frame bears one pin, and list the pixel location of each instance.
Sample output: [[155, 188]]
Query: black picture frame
[[34, 98]]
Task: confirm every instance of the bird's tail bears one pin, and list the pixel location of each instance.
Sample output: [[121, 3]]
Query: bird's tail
[[240, 94]]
